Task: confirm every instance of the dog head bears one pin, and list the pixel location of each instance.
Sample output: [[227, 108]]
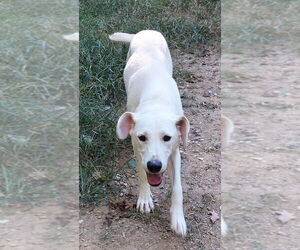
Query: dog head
[[154, 138]]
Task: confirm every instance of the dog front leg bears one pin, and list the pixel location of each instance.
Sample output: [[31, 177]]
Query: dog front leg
[[177, 217], [144, 203]]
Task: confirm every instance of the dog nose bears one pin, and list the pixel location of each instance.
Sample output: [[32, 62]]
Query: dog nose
[[154, 166]]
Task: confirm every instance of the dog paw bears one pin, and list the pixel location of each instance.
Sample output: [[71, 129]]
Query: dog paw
[[145, 205], [178, 224]]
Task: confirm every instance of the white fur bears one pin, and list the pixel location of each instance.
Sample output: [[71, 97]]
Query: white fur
[[121, 37], [227, 129], [224, 227], [154, 110], [72, 37]]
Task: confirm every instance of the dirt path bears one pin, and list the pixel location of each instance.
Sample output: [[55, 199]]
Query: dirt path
[[261, 173], [117, 225], [49, 225]]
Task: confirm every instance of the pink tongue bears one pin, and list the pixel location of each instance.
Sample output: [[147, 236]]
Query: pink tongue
[[154, 179]]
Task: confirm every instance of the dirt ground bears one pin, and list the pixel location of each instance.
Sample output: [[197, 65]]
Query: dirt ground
[[50, 225], [117, 225], [260, 170]]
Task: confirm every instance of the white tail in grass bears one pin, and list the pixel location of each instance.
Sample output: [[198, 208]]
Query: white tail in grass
[[72, 37], [121, 37]]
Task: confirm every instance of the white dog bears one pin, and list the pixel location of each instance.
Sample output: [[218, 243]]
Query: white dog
[[155, 118]]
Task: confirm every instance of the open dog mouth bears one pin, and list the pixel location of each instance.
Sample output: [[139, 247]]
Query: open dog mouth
[[154, 179]]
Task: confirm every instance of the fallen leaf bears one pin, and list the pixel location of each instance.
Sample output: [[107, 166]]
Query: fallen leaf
[[214, 216], [285, 216]]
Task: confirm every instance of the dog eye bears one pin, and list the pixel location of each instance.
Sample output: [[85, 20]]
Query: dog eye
[[167, 138], [142, 138]]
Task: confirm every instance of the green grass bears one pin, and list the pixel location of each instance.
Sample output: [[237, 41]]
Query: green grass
[[251, 25], [38, 99], [187, 25]]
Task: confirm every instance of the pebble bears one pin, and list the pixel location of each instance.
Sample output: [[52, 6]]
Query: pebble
[[217, 145], [209, 93]]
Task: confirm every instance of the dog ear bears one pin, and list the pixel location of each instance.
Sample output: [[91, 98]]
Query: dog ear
[[125, 123], [183, 125]]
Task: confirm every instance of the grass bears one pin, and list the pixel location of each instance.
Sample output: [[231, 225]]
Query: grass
[[187, 25], [38, 100], [250, 26]]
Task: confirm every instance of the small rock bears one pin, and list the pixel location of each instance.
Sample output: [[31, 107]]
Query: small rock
[[217, 145], [207, 93]]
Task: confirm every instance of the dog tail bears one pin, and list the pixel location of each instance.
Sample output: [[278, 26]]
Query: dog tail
[[121, 37]]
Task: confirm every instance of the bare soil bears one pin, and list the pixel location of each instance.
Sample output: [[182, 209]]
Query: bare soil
[[260, 170], [50, 225], [117, 225]]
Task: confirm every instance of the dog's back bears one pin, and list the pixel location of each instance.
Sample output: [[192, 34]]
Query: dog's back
[[147, 48], [148, 71]]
